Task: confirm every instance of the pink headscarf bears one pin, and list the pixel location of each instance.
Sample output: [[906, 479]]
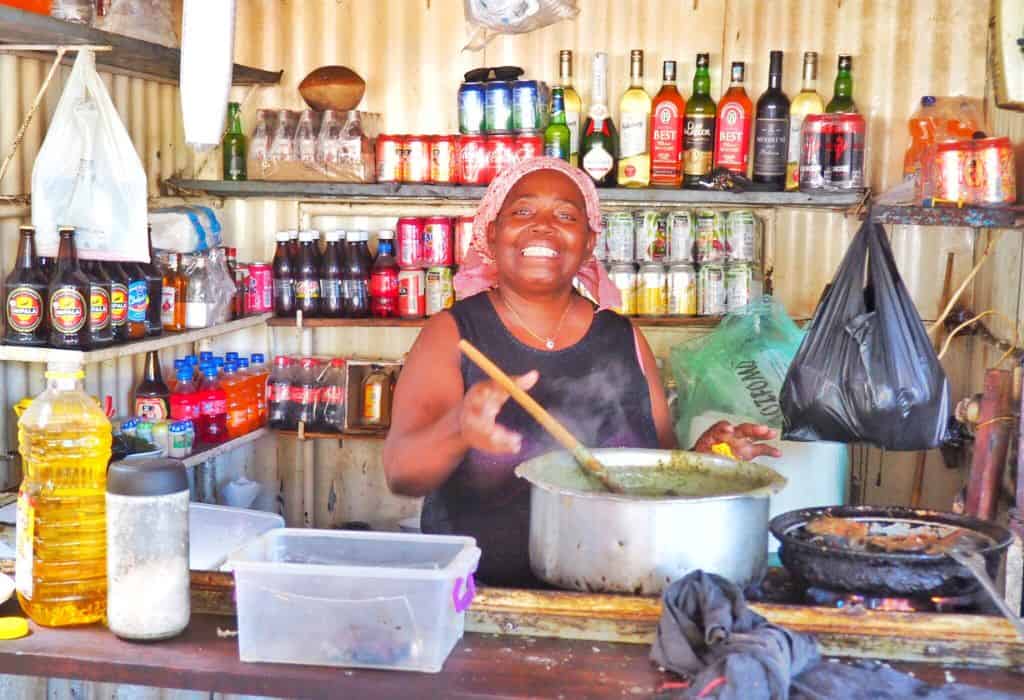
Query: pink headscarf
[[478, 271]]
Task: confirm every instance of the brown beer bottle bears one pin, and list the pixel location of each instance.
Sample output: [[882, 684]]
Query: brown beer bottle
[[101, 334], [138, 299], [25, 291], [284, 277], [118, 300], [69, 298], [47, 265], [307, 275], [152, 397], [154, 290]]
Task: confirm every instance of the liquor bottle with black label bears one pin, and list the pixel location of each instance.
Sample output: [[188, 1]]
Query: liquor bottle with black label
[[771, 130], [599, 143], [69, 298], [101, 332], [842, 97], [25, 292], [634, 123], [699, 129]]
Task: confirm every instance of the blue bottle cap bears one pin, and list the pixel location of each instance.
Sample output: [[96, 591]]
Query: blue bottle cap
[[231, 356], [258, 358], [184, 374], [243, 363], [204, 356]]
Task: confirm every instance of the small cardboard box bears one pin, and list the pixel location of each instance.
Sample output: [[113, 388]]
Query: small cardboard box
[[357, 370]]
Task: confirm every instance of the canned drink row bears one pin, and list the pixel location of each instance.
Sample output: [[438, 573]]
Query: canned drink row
[[683, 289], [704, 236], [432, 241], [452, 160], [503, 107], [425, 292]]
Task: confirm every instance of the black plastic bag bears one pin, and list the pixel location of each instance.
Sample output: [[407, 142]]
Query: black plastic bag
[[867, 372]]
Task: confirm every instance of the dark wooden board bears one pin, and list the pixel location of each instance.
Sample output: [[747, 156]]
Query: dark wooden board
[[129, 56], [973, 217]]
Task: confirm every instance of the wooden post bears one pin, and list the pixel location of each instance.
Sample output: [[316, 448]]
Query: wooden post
[[990, 444]]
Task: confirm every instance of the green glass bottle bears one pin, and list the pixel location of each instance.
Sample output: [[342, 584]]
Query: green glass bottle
[[234, 145], [842, 99], [699, 127], [557, 142]]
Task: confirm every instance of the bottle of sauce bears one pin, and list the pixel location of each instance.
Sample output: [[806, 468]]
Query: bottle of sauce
[[384, 278], [284, 277], [356, 276], [25, 292], [101, 333], [118, 300], [69, 298], [377, 388], [173, 292], [152, 398], [331, 300], [138, 300], [307, 275], [154, 289]]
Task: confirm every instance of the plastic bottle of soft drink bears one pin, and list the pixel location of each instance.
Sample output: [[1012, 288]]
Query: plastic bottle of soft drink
[[334, 393], [248, 395], [184, 400], [233, 385], [384, 277], [355, 276], [212, 424], [922, 135], [279, 390], [306, 391], [260, 374]]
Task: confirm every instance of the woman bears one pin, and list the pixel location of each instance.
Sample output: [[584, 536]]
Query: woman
[[456, 438]]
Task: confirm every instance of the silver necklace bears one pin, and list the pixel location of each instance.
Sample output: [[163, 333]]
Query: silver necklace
[[549, 343]]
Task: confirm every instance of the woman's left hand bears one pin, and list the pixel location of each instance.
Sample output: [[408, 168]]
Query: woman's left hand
[[743, 439]]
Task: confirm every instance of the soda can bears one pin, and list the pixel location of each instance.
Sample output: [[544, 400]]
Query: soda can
[[409, 242], [497, 107], [679, 232], [991, 175], [473, 165], [948, 172], [711, 290], [813, 153], [649, 234], [463, 236], [389, 158], [416, 161], [623, 276], [710, 238], [742, 237], [844, 169], [601, 244], [743, 284], [443, 160], [412, 300], [682, 290], [501, 154], [620, 238], [437, 241], [259, 294], [440, 294], [525, 106], [652, 290], [471, 108], [529, 145]]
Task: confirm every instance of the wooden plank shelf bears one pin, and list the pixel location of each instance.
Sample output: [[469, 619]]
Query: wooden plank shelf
[[17, 353], [973, 217], [209, 452], [351, 433], [642, 321], [128, 56], [355, 193]]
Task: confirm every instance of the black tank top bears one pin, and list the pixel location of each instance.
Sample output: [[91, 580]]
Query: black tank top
[[595, 387]]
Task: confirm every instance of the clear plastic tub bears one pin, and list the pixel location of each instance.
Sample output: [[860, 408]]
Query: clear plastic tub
[[359, 599]]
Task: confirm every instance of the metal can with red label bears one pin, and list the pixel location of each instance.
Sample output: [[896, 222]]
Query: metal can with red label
[[412, 285], [443, 160], [389, 158], [991, 172], [947, 171], [416, 165], [463, 235], [844, 168], [259, 294], [529, 144], [440, 294], [409, 242], [437, 241], [474, 165], [501, 153]]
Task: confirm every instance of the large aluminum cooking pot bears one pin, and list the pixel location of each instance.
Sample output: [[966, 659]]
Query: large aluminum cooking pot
[[584, 538]]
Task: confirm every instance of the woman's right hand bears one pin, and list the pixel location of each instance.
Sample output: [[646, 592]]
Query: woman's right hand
[[479, 412]]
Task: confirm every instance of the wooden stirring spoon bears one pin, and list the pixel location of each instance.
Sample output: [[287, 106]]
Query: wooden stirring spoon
[[585, 458]]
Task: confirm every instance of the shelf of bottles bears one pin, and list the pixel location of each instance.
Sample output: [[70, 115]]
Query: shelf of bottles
[[207, 453], [16, 353]]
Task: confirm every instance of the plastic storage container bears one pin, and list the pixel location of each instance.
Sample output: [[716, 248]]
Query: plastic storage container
[[361, 599]]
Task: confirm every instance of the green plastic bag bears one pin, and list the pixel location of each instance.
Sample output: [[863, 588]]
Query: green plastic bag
[[737, 369]]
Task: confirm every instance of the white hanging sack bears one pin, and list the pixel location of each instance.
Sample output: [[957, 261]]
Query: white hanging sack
[[88, 175]]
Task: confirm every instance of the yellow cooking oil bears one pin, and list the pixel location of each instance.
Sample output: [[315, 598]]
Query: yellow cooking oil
[[61, 565]]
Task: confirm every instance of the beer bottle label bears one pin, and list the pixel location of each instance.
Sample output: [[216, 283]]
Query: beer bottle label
[[770, 140], [307, 289], [699, 138], [24, 309], [99, 308], [68, 310], [119, 305], [138, 301]]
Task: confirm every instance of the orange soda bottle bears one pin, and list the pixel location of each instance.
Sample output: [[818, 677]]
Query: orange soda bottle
[[234, 387], [248, 394], [922, 126], [261, 375]]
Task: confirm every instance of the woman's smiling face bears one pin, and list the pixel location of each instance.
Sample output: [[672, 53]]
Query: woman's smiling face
[[541, 236]]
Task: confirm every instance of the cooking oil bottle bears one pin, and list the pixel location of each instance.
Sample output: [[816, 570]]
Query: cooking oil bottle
[[61, 566]]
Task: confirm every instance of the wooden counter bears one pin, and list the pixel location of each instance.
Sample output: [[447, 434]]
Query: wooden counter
[[481, 666]]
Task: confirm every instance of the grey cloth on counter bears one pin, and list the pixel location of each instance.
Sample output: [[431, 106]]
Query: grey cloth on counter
[[707, 633]]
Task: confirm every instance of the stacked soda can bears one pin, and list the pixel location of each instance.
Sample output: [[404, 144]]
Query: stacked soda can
[[469, 159], [682, 263], [428, 248]]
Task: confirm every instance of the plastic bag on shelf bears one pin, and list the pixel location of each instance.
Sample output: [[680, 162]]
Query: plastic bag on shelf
[[207, 51], [185, 229], [88, 175], [493, 17], [737, 369], [148, 20], [222, 286], [867, 372]]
